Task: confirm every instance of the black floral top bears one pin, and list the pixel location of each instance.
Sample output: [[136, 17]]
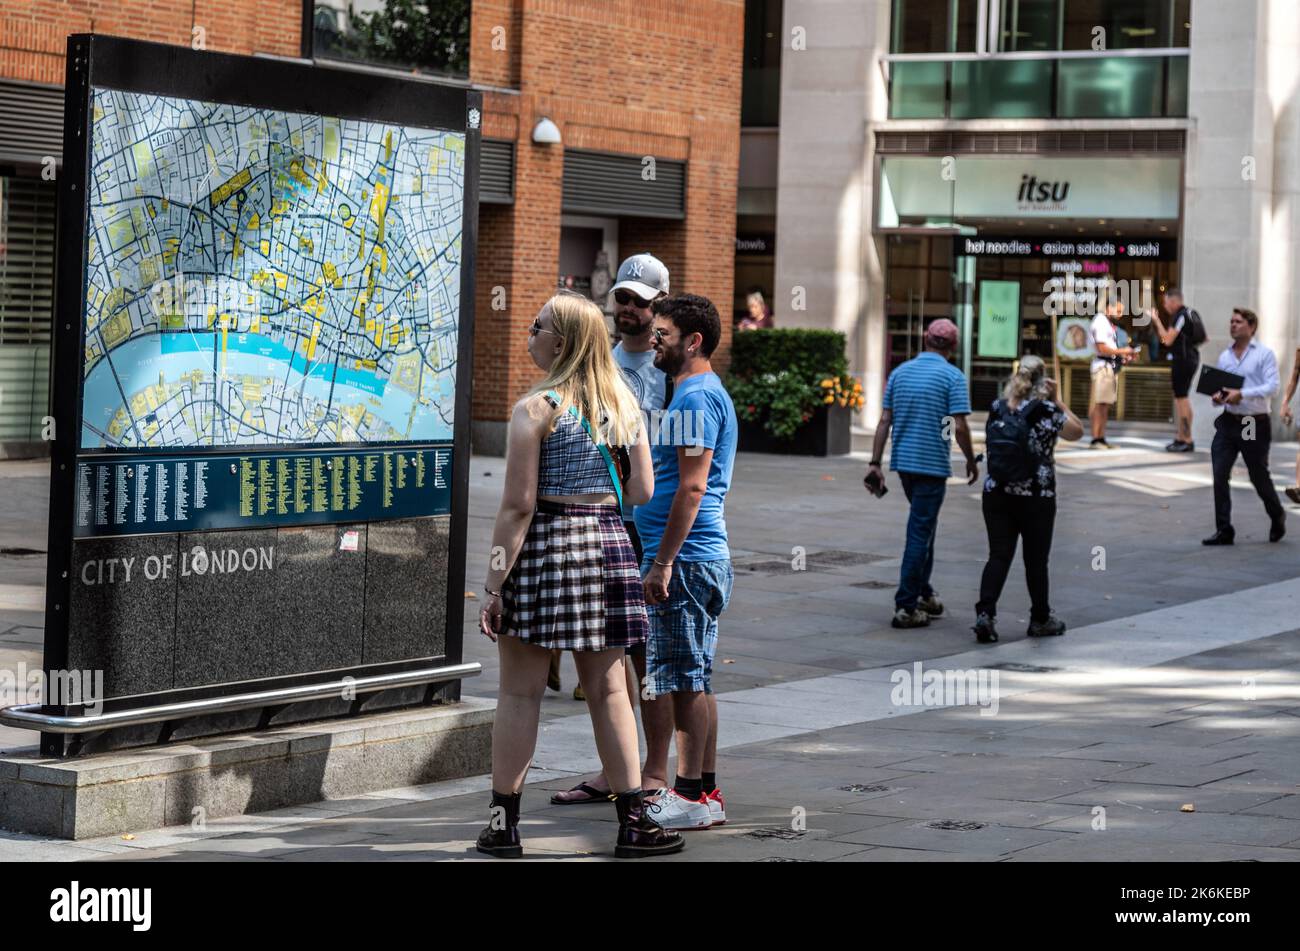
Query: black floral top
[[1046, 421]]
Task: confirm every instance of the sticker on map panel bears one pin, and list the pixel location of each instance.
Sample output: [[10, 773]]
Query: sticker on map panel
[[349, 541]]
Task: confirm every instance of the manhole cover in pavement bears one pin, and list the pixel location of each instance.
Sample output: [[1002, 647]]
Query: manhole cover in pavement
[[775, 833], [862, 787], [22, 551], [1023, 668], [955, 825]]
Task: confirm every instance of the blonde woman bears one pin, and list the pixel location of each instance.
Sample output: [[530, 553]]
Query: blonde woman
[[1020, 493], [571, 580]]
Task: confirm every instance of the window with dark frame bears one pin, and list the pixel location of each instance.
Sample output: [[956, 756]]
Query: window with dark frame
[[423, 36]]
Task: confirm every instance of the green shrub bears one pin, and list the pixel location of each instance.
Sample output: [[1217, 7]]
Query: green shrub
[[780, 377]]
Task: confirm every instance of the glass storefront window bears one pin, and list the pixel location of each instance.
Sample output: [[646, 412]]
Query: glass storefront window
[[918, 90], [1028, 25], [1127, 24], [760, 98], [430, 36], [935, 26], [1002, 88], [1112, 87]]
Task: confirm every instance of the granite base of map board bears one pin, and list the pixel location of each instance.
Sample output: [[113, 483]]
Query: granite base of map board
[[166, 612], [141, 789]]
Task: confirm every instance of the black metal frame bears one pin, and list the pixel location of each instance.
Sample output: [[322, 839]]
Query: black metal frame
[[157, 69]]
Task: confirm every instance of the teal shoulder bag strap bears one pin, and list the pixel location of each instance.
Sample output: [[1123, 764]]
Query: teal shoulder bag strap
[[604, 450]]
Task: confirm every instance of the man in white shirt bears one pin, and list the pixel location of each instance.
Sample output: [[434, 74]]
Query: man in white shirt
[[1244, 428], [1105, 375]]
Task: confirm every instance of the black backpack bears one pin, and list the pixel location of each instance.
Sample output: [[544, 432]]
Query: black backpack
[[1194, 328], [1006, 442]]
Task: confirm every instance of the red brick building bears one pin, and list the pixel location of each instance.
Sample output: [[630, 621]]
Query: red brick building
[[645, 95]]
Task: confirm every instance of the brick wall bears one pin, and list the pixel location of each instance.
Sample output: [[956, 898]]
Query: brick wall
[[33, 33], [639, 77]]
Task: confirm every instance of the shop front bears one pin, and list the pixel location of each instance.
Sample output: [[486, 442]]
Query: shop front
[[1020, 252]]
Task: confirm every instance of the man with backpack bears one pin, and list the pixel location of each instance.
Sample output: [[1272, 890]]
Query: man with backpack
[[1181, 341], [1020, 493]]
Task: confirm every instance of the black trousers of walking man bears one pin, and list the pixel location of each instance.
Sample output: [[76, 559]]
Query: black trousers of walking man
[[1230, 432]]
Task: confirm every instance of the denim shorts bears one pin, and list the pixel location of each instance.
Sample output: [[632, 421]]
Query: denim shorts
[[684, 629]]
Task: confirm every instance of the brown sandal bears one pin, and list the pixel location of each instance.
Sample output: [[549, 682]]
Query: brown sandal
[[591, 793]]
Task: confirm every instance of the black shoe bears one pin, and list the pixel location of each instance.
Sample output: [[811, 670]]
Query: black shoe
[[1052, 627], [1220, 538], [1179, 446], [984, 630], [638, 835], [1277, 529], [501, 837], [1099, 444]]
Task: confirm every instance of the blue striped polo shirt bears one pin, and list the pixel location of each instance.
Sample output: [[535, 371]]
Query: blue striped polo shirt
[[920, 394]]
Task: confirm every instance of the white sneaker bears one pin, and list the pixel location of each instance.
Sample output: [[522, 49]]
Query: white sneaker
[[676, 812], [717, 807]]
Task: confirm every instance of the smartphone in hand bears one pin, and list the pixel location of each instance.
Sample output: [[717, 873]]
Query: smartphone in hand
[[875, 485]]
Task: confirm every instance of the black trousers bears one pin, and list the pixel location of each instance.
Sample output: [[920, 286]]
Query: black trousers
[[1008, 519], [1230, 440]]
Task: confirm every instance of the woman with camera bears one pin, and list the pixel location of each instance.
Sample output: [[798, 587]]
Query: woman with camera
[[1020, 493]]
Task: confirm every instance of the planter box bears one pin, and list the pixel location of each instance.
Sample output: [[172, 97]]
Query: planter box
[[828, 433]]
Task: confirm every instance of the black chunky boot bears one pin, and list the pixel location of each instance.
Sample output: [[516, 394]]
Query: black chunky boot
[[639, 836], [501, 837]]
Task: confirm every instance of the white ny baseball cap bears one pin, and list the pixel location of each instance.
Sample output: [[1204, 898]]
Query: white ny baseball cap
[[644, 275]]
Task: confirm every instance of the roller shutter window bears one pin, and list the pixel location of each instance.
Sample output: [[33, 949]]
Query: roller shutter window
[[27, 220], [597, 183], [31, 123]]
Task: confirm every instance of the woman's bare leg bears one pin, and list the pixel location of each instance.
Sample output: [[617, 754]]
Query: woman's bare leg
[[612, 720], [519, 705]]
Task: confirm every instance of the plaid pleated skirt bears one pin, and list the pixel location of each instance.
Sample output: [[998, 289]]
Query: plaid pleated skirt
[[576, 585]]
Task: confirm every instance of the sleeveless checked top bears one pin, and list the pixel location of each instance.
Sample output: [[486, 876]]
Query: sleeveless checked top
[[570, 463]]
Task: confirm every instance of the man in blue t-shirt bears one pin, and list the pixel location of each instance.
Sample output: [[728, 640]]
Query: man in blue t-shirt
[[687, 563], [926, 403]]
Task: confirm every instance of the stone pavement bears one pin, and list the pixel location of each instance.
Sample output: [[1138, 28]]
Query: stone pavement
[[1178, 685]]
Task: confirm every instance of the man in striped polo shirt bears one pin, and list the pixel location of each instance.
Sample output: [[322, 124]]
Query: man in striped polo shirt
[[926, 402]]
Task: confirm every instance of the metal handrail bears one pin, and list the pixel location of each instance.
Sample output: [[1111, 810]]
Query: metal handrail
[[27, 717]]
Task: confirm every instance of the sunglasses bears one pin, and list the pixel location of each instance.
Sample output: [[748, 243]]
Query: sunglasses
[[625, 297], [536, 328]]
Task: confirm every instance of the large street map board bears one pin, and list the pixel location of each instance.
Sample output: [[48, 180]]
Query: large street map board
[[265, 278]]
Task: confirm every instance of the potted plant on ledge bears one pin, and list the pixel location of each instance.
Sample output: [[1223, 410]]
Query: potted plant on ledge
[[792, 391]]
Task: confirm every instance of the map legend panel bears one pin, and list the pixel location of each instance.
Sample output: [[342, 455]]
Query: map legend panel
[[124, 495]]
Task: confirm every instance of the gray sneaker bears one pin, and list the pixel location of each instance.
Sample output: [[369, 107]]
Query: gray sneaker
[[931, 605], [1052, 627], [914, 618]]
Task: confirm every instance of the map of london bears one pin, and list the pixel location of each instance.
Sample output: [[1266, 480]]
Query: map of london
[[258, 277]]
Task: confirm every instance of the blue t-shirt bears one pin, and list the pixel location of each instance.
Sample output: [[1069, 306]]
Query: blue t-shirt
[[700, 414], [921, 394]]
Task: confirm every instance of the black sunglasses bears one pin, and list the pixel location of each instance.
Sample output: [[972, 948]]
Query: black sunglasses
[[625, 297]]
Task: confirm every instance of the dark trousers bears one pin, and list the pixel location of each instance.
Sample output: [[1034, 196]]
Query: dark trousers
[[1230, 431], [1008, 519], [925, 495]]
